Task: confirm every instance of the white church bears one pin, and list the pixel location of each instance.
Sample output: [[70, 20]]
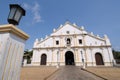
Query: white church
[[72, 45]]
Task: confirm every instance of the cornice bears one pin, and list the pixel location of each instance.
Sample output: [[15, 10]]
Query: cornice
[[66, 35], [95, 37], [101, 46], [14, 30], [44, 39], [79, 35]]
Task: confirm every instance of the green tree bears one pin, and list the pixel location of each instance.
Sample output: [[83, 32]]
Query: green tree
[[116, 54], [28, 55]]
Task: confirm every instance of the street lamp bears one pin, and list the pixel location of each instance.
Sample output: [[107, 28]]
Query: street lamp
[[15, 14]]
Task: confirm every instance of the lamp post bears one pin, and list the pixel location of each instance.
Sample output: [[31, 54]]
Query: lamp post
[[12, 45], [15, 14], [82, 59]]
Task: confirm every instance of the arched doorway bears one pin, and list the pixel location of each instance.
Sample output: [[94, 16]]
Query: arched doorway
[[99, 59], [43, 59], [69, 58]]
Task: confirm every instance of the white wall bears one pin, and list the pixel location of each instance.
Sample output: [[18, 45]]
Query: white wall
[[11, 53], [91, 44]]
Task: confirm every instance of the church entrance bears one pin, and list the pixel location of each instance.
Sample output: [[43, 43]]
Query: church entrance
[[69, 58], [43, 59], [99, 59]]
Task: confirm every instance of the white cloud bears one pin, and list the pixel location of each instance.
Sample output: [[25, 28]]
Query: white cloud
[[25, 5], [36, 12], [35, 9]]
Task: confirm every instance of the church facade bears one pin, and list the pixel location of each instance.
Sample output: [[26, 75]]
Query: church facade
[[72, 45]]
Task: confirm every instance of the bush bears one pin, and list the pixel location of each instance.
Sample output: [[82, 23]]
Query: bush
[[116, 54]]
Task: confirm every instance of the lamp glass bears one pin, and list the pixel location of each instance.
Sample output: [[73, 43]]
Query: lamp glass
[[18, 15], [12, 13]]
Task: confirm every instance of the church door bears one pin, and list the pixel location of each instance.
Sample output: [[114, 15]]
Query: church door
[[99, 59], [43, 59], [69, 58]]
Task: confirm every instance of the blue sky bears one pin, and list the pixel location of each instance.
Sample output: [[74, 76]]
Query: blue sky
[[42, 16]]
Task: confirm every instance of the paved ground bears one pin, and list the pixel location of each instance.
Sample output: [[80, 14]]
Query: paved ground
[[109, 73], [69, 73], [72, 73], [36, 73]]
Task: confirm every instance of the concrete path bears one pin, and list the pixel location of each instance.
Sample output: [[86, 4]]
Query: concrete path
[[72, 73]]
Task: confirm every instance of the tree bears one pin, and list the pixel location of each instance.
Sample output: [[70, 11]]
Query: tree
[[28, 55], [116, 54]]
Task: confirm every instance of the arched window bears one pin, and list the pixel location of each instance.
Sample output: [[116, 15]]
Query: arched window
[[99, 59], [68, 41], [43, 59]]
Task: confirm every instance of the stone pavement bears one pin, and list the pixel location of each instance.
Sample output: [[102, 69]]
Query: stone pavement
[[36, 73], [72, 73], [109, 73]]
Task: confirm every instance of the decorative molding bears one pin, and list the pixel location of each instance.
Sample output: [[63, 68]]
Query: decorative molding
[[95, 37], [35, 62], [101, 46], [14, 30]]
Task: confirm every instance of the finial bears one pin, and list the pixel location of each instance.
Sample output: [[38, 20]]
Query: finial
[[46, 36], [98, 36], [105, 36], [54, 30], [36, 40], [61, 25], [74, 24], [67, 22], [82, 27], [91, 33], [41, 39]]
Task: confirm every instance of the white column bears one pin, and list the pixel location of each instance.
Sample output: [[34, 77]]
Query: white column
[[92, 56], [10, 52], [25, 62], [83, 59], [57, 59]]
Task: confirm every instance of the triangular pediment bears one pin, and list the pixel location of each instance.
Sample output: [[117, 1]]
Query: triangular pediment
[[68, 28]]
